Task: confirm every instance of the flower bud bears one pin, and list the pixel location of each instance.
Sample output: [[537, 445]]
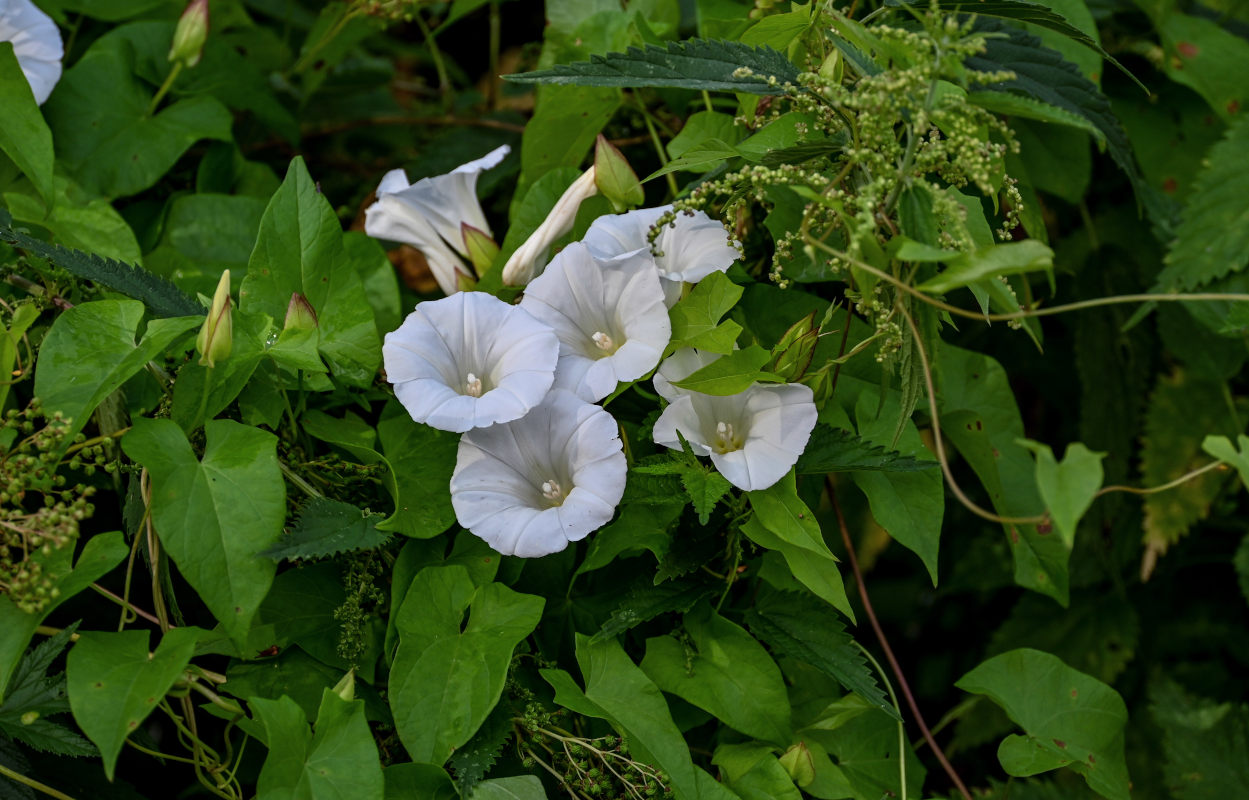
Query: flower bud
[[191, 33], [300, 315], [346, 687], [792, 354], [480, 247], [799, 764], [614, 177], [522, 265], [217, 334]]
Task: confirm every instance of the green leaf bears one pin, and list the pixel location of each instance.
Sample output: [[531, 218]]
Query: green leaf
[[699, 158], [753, 772], [691, 64], [1018, 105], [1008, 258], [521, 787], [444, 681], [796, 626], [730, 374], [91, 225], [696, 318], [427, 781], [1069, 718], [704, 126], [639, 526], [90, 352], [1206, 744], [705, 487], [782, 522], [24, 137], [473, 761], [326, 528], [1204, 55], [126, 148], [422, 459], [217, 516], [618, 691], [836, 450], [1212, 239], [300, 249], [161, 297], [538, 202], [1067, 487], [114, 683], [646, 601]]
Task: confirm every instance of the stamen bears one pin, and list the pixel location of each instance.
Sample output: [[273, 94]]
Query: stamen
[[603, 341], [472, 385], [552, 491], [727, 439]]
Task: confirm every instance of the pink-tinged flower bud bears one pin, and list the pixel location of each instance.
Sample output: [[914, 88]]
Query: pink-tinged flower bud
[[799, 764], [480, 247], [614, 177], [191, 33], [216, 337], [300, 315]]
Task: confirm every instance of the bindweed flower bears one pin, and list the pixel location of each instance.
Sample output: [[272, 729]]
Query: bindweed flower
[[679, 366], [470, 360], [216, 335], [530, 257], [688, 249], [531, 486], [36, 43], [610, 319], [430, 213], [190, 34], [754, 438]]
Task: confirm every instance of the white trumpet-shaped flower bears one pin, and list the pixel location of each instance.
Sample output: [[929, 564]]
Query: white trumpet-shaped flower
[[470, 360], [753, 438], [429, 214], [530, 257], [531, 486], [688, 249], [36, 43], [610, 319]]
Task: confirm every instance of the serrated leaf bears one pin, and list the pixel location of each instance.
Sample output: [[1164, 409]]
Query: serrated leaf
[[1212, 239], [994, 261], [696, 317], [1018, 105], [836, 450], [329, 527], [48, 737], [1206, 744], [33, 667], [473, 760], [712, 65], [705, 488], [796, 626], [161, 297], [645, 602]]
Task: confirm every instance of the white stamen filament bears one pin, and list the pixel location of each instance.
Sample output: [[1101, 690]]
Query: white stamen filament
[[472, 385], [552, 491], [727, 439], [603, 341]]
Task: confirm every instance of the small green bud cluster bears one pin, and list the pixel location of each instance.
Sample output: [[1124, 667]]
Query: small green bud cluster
[[364, 598]]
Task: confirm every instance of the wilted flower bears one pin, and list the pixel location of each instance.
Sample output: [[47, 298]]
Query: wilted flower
[[753, 438], [430, 213], [531, 486], [688, 249], [470, 360], [677, 367], [530, 257], [610, 319], [36, 43]]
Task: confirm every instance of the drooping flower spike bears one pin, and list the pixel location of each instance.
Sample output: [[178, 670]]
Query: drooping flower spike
[[430, 213], [686, 250], [754, 438], [470, 360], [531, 486], [36, 43], [610, 319]]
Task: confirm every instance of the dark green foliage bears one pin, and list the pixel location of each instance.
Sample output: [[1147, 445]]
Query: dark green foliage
[[473, 761], [835, 450], [1206, 743], [645, 602], [329, 527]]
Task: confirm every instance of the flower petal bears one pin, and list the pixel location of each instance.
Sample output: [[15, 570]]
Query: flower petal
[[679, 366], [688, 249], [36, 44]]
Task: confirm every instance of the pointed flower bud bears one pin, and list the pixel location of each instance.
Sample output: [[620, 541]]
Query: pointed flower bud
[[614, 177], [480, 247], [346, 687], [300, 315], [530, 257], [791, 357], [191, 33], [217, 335], [799, 764]]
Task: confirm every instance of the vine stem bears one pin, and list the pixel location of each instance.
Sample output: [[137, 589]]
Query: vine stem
[[164, 87], [32, 783], [894, 697], [125, 604], [884, 645], [1185, 478]]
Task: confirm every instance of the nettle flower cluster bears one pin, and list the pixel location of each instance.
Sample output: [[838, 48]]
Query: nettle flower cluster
[[540, 464]]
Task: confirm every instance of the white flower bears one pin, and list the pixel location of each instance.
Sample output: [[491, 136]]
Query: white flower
[[677, 367], [753, 438], [530, 257], [530, 487], [470, 360], [36, 43], [688, 249], [610, 319], [428, 215]]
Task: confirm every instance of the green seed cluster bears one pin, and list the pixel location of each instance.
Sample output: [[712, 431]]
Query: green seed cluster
[[364, 598], [40, 512]]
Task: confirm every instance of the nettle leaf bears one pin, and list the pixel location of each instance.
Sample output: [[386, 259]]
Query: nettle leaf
[[833, 449], [444, 681], [797, 626], [216, 516], [995, 261], [713, 65], [24, 137], [1067, 487], [114, 683], [1206, 743], [473, 761], [705, 487], [161, 297], [90, 352], [646, 601], [329, 527], [1212, 239], [48, 737], [696, 318], [1070, 719]]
